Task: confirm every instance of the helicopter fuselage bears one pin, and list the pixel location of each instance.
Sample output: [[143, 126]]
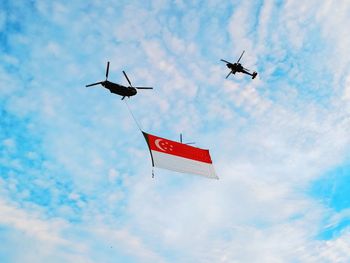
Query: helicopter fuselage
[[236, 67], [119, 89]]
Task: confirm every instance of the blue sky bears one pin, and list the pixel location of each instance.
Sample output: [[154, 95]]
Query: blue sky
[[75, 172]]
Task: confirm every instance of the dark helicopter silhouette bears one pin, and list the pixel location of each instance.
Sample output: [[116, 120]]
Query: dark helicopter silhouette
[[237, 67], [117, 88]]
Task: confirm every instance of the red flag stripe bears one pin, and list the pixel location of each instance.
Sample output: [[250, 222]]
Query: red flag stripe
[[178, 149]]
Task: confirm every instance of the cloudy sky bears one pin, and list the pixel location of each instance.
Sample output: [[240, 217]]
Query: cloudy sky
[[75, 171]]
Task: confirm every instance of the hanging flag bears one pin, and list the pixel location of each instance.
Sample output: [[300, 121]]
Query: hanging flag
[[179, 157]]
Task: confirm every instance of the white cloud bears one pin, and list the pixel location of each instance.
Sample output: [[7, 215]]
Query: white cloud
[[128, 243], [31, 224]]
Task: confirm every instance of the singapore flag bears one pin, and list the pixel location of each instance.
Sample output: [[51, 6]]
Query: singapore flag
[[179, 157]]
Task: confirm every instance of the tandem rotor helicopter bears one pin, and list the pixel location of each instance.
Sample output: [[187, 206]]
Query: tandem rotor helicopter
[[118, 89], [237, 67]]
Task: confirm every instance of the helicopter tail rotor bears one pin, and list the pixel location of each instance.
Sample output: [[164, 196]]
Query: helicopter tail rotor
[[254, 74]]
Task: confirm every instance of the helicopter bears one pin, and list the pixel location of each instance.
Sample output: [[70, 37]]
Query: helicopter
[[188, 143], [237, 67], [118, 89]]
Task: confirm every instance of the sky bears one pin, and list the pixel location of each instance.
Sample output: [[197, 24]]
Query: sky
[[75, 172]]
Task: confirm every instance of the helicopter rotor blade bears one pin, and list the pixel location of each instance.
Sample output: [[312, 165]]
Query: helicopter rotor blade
[[107, 70], [93, 84], [127, 78], [240, 56], [223, 60], [228, 74], [143, 87]]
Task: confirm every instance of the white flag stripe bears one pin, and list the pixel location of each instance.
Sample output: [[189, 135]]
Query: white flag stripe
[[183, 165]]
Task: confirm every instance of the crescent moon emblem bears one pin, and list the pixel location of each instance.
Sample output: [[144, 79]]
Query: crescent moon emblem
[[156, 142]]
